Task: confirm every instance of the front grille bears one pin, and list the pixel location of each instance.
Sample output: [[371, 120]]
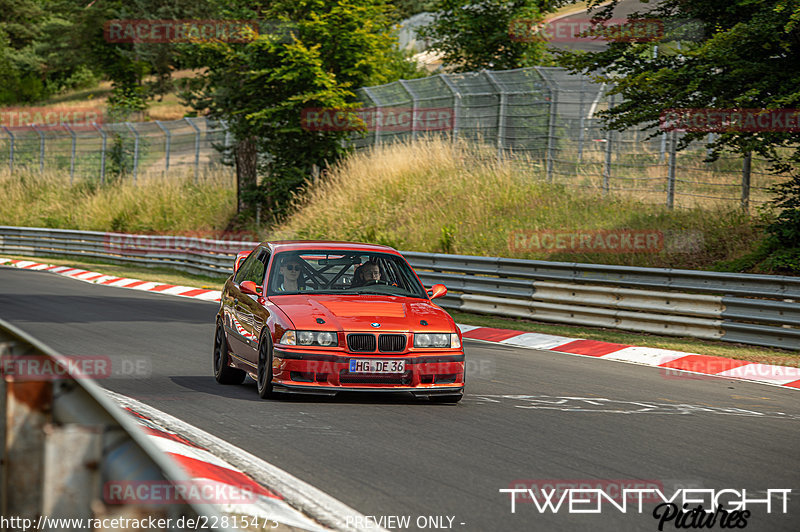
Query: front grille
[[446, 378], [361, 342], [371, 378], [391, 343]]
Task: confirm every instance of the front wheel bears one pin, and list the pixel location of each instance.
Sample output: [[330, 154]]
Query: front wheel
[[223, 372], [264, 380]]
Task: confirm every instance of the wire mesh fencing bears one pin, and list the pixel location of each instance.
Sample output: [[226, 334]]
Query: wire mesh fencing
[[543, 117]]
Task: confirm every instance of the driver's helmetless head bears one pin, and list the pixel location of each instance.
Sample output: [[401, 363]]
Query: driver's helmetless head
[[291, 269], [371, 272]]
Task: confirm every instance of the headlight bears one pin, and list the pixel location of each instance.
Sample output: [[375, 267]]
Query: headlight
[[437, 340], [323, 338]]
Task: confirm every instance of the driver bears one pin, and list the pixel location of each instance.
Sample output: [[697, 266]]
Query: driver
[[367, 273]]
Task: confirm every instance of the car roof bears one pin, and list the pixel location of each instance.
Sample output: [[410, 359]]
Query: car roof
[[300, 245]]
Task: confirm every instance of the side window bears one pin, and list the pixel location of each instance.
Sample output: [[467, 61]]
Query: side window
[[256, 274], [252, 269]]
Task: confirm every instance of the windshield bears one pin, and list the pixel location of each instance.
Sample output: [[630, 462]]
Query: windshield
[[342, 272]]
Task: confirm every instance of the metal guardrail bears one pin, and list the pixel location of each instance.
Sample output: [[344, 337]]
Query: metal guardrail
[[64, 440], [746, 308]]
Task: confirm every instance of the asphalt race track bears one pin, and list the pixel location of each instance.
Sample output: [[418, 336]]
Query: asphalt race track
[[528, 416]]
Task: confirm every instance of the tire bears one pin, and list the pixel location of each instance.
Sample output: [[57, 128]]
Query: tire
[[264, 376], [223, 372], [450, 399]]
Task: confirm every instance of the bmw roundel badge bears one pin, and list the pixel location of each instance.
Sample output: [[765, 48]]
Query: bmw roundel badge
[[376, 325]]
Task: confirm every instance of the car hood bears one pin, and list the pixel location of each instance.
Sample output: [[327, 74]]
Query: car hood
[[357, 313]]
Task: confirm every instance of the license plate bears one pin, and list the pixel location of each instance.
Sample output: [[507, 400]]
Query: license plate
[[360, 365]]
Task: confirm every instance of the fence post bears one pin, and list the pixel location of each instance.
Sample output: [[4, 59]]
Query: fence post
[[135, 150], [407, 88], [551, 133], [501, 112], [196, 148], [609, 142], [167, 142], [581, 133], [456, 104], [663, 149], [72, 153], [102, 154], [41, 148], [746, 166], [377, 117], [10, 149], [671, 175]]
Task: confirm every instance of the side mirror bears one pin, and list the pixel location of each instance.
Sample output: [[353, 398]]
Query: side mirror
[[249, 287], [239, 258], [437, 290]]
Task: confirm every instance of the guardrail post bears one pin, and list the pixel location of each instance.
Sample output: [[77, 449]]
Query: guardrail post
[[456, 104], [746, 166], [167, 142], [41, 148], [102, 153], [10, 149], [72, 153], [135, 150], [671, 175], [196, 148]]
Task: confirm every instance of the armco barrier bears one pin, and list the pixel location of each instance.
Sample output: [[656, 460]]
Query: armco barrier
[[753, 309], [64, 439]]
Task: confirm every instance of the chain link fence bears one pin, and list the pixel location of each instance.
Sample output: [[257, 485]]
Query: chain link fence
[[543, 117], [133, 149]]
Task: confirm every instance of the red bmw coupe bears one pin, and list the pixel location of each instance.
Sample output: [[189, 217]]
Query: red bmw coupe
[[326, 317]]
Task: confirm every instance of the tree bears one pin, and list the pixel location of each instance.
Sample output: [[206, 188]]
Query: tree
[[314, 55], [474, 35], [737, 54]]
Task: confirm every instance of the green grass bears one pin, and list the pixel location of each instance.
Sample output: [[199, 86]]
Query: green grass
[[438, 197]]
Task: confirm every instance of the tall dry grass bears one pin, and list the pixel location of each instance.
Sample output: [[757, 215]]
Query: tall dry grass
[[153, 205], [435, 196]]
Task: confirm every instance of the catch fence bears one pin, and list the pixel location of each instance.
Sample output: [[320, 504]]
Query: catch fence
[[542, 117]]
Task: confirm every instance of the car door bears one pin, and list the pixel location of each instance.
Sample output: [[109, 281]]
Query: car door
[[241, 331], [250, 308]]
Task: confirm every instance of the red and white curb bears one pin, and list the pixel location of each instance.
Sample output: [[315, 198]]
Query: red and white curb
[[675, 361], [111, 280], [207, 460]]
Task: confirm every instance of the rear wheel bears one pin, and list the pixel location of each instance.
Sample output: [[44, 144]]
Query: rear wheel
[[223, 372], [264, 380]]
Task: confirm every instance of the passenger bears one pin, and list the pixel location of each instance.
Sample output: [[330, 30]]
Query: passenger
[[290, 271]]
